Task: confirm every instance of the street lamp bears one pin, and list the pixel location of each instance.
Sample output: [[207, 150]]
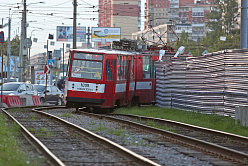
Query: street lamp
[[23, 49], [9, 45], [30, 45]]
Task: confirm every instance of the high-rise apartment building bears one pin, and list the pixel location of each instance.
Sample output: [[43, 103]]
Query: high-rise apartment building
[[180, 15], [119, 13]]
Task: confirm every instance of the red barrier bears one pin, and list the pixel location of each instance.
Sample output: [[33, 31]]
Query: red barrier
[[36, 100], [4, 98], [13, 101]]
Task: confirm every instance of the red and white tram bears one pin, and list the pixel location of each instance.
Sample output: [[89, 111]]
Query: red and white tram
[[103, 78]]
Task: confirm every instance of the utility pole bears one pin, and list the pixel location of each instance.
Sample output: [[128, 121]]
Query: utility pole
[[9, 44], [75, 24], [63, 62], [46, 72], [25, 19], [25, 45], [21, 50], [88, 38]]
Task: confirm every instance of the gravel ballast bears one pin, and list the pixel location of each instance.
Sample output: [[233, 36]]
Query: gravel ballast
[[131, 139]]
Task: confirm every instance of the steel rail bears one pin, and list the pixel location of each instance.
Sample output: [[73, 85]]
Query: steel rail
[[125, 152], [234, 137], [222, 152], [36, 142]]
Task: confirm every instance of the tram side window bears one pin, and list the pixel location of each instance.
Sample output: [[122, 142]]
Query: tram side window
[[68, 66], [146, 67], [118, 68], [124, 70], [110, 70], [121, 68], [132, 68]]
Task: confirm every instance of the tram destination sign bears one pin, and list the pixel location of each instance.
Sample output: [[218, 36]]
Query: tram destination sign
[[86, 87]]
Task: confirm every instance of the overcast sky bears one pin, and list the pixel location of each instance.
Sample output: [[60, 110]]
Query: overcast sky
[[43, 18]]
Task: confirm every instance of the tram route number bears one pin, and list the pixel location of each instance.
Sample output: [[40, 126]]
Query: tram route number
[[85, 85]]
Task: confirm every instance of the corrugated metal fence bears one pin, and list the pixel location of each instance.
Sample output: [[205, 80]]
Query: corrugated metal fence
[[214, 82]]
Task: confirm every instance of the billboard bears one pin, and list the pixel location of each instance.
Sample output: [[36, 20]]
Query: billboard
[[65, 34], [40, 77], [110, 34]]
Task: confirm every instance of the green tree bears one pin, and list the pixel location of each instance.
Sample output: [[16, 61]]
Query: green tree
[[222, 21], [223, 18], [15, 46], [190, 45]]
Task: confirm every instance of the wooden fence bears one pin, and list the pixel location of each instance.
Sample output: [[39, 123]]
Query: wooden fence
[[214, 82]]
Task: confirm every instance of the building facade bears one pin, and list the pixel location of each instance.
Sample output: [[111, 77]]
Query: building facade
[[180, 15], [119, 13]]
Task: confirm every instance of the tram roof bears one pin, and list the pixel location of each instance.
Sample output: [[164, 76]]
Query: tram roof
[[105, 51]]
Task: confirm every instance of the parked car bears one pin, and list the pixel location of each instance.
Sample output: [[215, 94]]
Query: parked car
[[18, 88], [53, 94]]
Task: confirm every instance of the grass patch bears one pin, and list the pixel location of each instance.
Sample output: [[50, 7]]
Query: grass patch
[[41, 132], [101, 127], [92, 123], [67, 115], [31, 117], [12, 110], [117, 132], [10, 153], [213, 121]]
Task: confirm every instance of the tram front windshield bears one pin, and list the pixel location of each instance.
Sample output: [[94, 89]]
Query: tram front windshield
[[87, 66]]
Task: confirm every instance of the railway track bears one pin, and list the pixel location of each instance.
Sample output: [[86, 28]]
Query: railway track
[[226, 146], [232, 141], [64, 143]]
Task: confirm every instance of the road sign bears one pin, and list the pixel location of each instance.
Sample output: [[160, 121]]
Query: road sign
[[27, 42], [51, 62], [205, 52], [1, 37], [47, 69], [57, 53]]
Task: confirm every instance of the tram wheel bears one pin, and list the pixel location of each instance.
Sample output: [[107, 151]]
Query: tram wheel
[[88, 109]]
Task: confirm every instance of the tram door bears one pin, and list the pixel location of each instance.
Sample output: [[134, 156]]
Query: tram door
[[153, 74], [110, 82], [153, 81], [128, 81]]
